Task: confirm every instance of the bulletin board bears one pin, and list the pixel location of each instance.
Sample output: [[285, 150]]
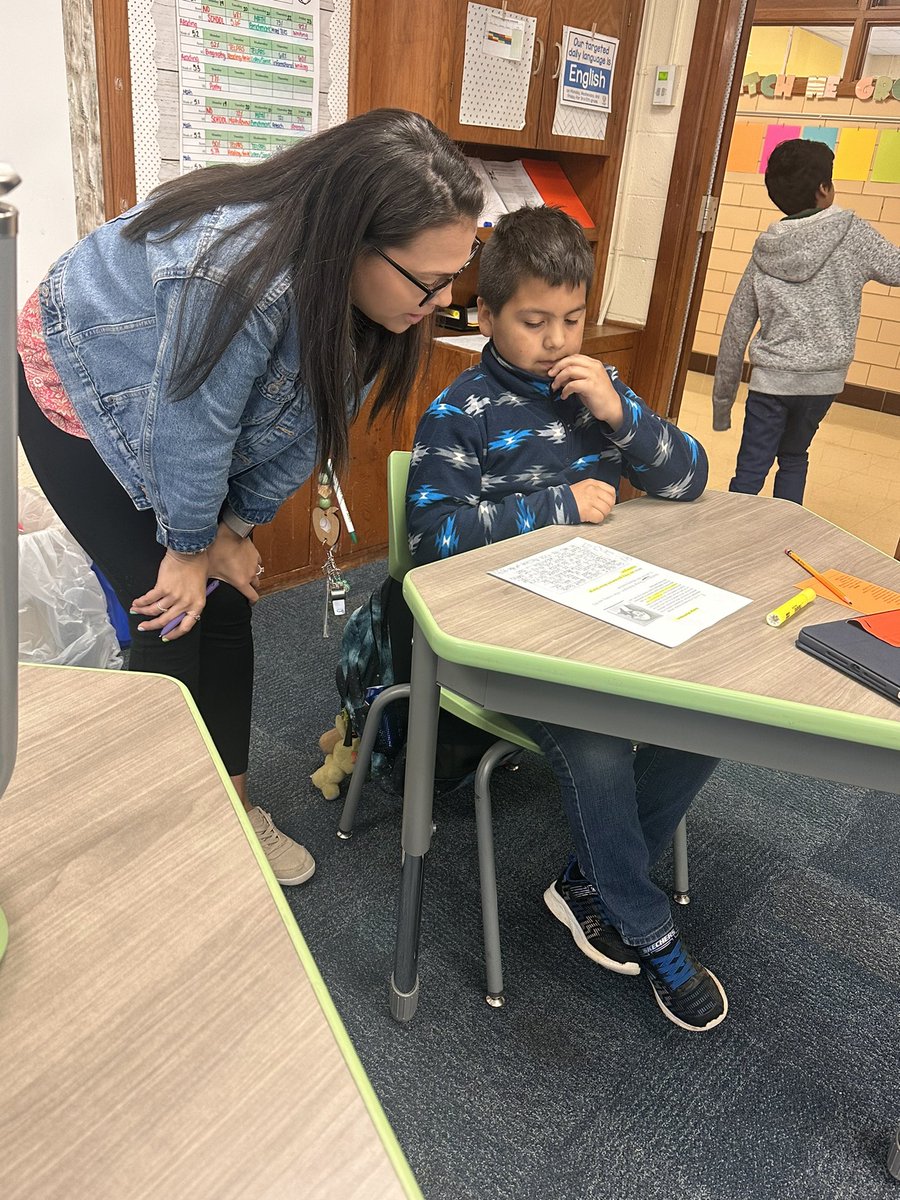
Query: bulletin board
[[868, 154], [141, 96]]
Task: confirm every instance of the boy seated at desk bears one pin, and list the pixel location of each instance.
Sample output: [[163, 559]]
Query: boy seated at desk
[[539, 434]]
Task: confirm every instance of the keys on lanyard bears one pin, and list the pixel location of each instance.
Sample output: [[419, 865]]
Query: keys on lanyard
[[336, 589], [327, 527]]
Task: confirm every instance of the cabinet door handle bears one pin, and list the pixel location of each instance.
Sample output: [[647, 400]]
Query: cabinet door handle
[[558, 46], [541, 51]]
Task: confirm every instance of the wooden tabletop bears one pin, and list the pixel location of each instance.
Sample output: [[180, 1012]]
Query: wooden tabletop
[[163, 1029], [740, 666]]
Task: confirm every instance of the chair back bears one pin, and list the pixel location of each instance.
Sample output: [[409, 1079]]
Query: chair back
[[399, 558]]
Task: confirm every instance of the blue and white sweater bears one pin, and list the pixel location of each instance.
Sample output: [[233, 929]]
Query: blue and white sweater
[[496, 454]]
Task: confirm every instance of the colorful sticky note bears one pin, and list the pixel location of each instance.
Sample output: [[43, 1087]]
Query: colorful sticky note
[[746, 147], [854, 153], [886, 165], [820, 133], [775, 135]]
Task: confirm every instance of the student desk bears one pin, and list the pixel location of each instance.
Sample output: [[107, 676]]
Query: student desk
[[739, 690], [164, 1031]]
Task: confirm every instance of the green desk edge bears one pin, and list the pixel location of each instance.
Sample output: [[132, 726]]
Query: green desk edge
[[355, 1067], [807, 718]]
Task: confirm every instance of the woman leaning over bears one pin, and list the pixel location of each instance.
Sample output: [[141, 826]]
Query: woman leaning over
[[186, 366]]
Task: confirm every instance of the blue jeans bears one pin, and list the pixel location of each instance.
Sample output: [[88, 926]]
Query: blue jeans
[[623, 809], [779, 427]]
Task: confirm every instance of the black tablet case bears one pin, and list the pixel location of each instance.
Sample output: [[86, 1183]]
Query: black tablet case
[[855, 652]]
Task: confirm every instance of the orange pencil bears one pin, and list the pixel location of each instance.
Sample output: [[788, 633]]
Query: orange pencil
[[820, 578]]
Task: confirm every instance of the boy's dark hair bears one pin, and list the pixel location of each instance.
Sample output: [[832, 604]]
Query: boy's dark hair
[[794, 172], [533, 243]]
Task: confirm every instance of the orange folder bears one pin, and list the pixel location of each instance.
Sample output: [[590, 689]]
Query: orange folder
[[550, 180], [883, 625]]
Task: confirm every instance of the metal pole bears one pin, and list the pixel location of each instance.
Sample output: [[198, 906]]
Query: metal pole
[[9, 498], [9, 502]]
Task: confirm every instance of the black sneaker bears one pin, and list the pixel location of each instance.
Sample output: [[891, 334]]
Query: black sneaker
[[576, 903], [688, 994]]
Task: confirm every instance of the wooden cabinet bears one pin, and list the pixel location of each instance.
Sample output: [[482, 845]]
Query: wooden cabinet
[[453, 73], [411, 53], [611, 17]]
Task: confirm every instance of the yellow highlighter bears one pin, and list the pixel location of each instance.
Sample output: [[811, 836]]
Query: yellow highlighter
[[785, 611]]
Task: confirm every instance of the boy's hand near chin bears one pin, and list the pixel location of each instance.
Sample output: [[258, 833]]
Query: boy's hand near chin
[[578, 375]]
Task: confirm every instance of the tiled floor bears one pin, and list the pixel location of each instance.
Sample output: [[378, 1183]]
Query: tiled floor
[[854, 474], [854, 462]]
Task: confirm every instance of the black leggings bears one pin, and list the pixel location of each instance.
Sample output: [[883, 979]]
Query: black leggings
[[214, 660]]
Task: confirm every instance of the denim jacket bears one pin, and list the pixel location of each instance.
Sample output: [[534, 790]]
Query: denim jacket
[[111, 309]]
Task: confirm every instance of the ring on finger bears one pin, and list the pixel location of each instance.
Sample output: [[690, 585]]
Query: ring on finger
[[162, 608], [196, 616]]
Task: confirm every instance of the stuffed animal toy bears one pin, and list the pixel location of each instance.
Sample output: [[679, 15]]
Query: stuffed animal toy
[[339, 759]]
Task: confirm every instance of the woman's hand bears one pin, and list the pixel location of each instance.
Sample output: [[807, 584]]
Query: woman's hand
[[235, 560], [180, 591]]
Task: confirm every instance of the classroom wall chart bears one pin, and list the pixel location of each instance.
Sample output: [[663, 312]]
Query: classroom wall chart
[[248, 77]]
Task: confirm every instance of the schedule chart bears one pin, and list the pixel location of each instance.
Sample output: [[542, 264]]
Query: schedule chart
[[249, 77]]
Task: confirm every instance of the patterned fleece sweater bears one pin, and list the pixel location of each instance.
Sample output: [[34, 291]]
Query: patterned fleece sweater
[[804, 285], [496, 454]]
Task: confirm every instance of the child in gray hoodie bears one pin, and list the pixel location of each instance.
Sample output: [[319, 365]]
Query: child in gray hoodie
[[804, 285]]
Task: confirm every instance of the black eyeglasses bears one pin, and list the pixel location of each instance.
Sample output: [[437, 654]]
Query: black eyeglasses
[[431, 291]]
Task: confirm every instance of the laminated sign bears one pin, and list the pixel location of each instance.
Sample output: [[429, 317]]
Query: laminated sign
[[589, 61]]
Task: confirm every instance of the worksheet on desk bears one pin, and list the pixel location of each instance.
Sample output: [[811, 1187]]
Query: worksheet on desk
[[627, 592]]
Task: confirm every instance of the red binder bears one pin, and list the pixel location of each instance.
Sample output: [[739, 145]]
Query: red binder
[[550, 180]]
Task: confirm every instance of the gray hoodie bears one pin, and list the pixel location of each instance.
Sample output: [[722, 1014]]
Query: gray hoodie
[[804, 285]]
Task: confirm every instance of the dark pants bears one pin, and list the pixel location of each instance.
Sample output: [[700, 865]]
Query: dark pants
[[214, 660], [779, 427]]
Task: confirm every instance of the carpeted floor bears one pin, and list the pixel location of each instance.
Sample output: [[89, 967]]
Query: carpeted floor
[[579, 1089]]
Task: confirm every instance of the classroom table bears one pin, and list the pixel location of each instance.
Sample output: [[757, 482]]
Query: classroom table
[[738, 690], [164, 1031]]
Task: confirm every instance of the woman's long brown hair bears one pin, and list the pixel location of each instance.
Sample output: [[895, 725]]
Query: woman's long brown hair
[[379, 179]]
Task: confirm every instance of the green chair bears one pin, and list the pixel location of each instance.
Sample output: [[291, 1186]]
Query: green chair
[[511, 741]]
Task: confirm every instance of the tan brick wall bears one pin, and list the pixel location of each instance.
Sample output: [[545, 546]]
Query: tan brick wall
[[745, 209]]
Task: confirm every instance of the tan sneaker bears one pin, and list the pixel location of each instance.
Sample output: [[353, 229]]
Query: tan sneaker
[[291, 862]]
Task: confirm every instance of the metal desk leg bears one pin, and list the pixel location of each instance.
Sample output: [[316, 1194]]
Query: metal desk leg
[[681, 889], [418, 794]]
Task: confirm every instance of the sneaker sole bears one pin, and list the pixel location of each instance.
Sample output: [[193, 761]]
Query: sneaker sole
[[563, 914], [683, 1024], [295, 879]]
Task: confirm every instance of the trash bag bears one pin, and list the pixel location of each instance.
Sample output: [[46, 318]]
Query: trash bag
[[63, 617]]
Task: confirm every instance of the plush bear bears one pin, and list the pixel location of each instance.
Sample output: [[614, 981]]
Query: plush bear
[[339, 759]]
